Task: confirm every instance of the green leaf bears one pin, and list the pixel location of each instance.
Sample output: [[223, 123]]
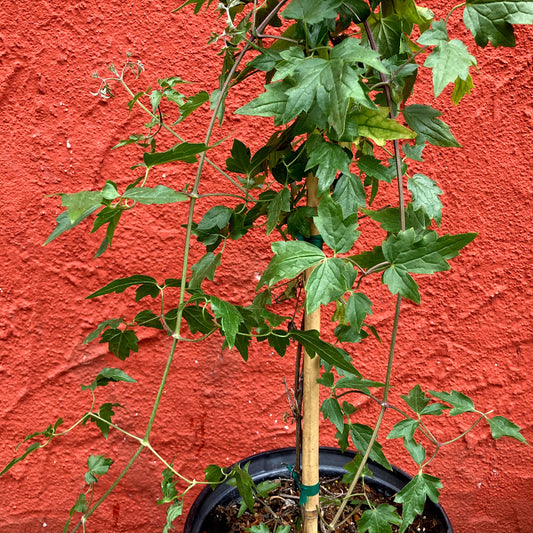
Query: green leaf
[[155, 195], [416, 451], [349, 193], [414, 151], [174, 96], [240, 158], [168, 487], [121, 343], [192, 104], [449, 59], [376, 125], [214, 474], [423, 119], [31, 448], [413, 497], [404, 429], [387, 32], [328, 281], [106, 376], [401, 282], [358, 308], [242, 341], [108, 215], [229, 317], [245, 485], [79, 203], [353, 466], [378, 519], [424, 252], [373, 168], [205, 268], [105, 412], [63, 223], [409, 11], [266, 487], [155, 100], [461, 88], [281, 202], [389, 218], [339, 233], [291, 258], [312, 11], [98, 465], [491, 20], [271, 103], [435, 409], [502, 427], [370, 259], [356, 10], [148, 319], [426, 196], [328, 158], [198, 319], [132, 102], [361, 435], [110, 323], [215, 219], [352, 51], [332, 355], [416, 399], [121, 284], [186, 152], [174, 511], [279, 340], [326, 86], [332, 410], [357, 383], [460, 403], [79, 507]]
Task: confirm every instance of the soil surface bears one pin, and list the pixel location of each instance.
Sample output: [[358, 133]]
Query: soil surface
[[282, 508]]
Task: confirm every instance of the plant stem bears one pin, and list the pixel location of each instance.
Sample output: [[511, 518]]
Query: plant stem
[[384, 405], [109, 490], [382, 411]]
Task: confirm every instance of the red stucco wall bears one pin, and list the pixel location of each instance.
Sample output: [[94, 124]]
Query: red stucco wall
[[473, 321]]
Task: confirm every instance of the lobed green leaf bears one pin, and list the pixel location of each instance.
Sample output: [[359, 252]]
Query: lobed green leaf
[[106, 376]]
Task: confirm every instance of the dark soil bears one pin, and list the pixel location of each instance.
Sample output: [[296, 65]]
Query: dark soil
[[283, 504]]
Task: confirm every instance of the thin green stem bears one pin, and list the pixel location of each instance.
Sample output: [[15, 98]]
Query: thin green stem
[[118, 428], [381, 415], [386, 389], [482, 417], [148, 446], [225, 194], [80, 421], [109, 490], [452, 10]]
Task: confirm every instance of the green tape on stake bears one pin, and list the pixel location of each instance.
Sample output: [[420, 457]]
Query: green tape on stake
[[305, 490], [308, 490]]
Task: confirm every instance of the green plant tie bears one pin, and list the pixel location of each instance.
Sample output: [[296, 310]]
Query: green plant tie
[[305, 490], [317, 240]]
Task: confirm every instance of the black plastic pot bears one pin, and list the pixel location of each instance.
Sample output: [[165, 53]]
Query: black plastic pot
[[273, 464]]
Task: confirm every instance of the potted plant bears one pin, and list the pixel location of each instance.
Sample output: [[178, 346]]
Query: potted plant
[[334, 173]]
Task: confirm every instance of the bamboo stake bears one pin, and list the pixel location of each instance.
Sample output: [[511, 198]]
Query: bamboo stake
[[311, 403]]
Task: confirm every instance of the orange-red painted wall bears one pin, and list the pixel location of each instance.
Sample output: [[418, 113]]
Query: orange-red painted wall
[[472, 332]]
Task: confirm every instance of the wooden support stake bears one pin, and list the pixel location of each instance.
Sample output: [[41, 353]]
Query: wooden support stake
[[311, 402]]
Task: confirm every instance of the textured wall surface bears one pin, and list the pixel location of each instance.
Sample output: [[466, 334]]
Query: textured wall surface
[[472, 332]]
